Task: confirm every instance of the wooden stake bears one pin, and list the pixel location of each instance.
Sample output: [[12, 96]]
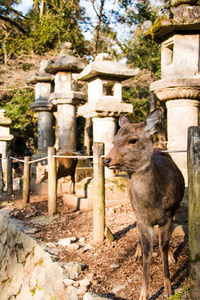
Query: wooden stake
[[194, 210], [26, 181], [52, 183], [99, 194], [9, 175]]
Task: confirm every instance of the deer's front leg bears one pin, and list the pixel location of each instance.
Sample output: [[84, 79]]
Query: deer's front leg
[[147, 237], [164, 238]]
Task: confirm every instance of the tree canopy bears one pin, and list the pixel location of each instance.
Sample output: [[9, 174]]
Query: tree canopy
[[92, 26]]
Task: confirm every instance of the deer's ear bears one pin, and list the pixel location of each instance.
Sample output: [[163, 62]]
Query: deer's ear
[[153, 122], [123, 120]]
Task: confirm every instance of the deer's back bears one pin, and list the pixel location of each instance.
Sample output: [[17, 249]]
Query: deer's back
[[66, 166]]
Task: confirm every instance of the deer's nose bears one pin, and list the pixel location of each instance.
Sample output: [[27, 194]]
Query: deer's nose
[[107, 162]]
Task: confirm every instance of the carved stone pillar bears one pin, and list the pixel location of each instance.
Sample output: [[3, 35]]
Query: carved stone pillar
[[182, 102]]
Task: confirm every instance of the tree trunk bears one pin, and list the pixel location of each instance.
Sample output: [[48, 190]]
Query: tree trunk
[[98, 27]]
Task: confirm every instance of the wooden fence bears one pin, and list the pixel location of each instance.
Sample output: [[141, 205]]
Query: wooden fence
[[99, 185], [193, 153]]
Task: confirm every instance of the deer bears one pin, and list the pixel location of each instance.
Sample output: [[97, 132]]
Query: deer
[[155, 187], [64, 167]]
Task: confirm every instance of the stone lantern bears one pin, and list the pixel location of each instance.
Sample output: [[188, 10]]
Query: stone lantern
[[5, 137], [179, 35], [43, 87], [104, 104], [65, 96]]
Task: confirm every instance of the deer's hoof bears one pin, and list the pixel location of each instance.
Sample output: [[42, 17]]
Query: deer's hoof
[[171, 258]]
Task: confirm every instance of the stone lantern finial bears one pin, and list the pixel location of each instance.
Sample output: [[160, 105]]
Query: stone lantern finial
[[66, 49]]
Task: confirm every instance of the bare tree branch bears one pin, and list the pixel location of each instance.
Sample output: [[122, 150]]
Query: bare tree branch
[[6, 19]]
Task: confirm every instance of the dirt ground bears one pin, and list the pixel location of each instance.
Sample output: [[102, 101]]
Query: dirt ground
[[111, 267]]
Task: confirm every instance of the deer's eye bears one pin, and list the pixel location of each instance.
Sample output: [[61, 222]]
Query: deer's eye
[[132, 141]]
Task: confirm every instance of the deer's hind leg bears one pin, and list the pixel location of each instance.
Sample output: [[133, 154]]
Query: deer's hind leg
[[138, 252], [164, 238], [72, 185]]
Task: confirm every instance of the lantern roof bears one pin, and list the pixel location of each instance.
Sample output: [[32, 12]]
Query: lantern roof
[[107, 69]]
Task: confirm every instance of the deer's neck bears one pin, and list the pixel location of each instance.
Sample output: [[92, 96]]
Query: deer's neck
[[142, 182], [143, 171]]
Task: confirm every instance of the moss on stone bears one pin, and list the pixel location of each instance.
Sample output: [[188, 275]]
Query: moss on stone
[[39, 262]]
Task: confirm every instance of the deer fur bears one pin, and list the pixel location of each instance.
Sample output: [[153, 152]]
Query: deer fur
[[155, 185], [64, 167]]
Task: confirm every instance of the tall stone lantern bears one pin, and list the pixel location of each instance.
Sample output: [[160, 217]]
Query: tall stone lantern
[[179, 35], [104, 104], [65, 96], [5, 137], [43, 87]]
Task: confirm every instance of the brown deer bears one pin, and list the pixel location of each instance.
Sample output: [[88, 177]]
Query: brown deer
[[65, 167], [156, 187]]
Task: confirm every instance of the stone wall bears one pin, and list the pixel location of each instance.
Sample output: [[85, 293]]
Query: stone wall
[[28, 271]]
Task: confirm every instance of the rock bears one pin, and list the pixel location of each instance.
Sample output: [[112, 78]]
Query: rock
[[72, 292], [73, 270], [155, 254], [5, 203], [111, 210], [84, 282], [94, 296], [82, 290], [118, 288], [114, 266], [81, 240], [51, 245], [73, 247], [108, 234], [31, 231], [67, 241], [86, 248], [68, 281]]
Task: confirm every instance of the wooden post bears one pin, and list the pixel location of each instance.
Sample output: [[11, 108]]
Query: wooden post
[[1, 176], [194, 210], [52, 183], [26, 181], [9, 175], [99, 194]]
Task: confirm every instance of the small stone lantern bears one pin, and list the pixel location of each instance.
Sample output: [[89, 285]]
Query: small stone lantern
[[65, 96], [5, 137], [179, 35], [104, 104], [43, 87]]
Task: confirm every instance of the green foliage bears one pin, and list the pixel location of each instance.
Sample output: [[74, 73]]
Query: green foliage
[[183, 294], [52, 22], [143, 53], [59, 22], [138, 97], [24, 123]]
